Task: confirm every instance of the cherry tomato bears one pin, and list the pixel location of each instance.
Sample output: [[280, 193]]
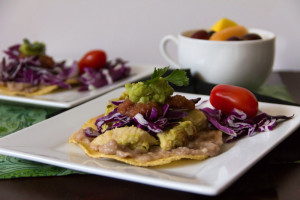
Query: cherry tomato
[[228, 97], [93, 59]]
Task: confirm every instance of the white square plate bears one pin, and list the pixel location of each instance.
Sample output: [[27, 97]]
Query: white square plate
[[68, 98], [47, 142]]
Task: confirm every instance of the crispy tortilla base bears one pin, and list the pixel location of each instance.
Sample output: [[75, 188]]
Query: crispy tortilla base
[[41, 91], [132, 161]]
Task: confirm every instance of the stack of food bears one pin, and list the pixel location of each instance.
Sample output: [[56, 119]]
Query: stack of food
[[147, 125], [29, 71]]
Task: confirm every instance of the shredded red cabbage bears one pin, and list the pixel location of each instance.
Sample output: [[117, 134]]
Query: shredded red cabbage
[[29, 70], [117, 102], [89, 132], [146, 124], [96, 78], [238, 124], [151, 122]]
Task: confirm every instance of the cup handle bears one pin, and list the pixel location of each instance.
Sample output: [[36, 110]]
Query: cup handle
[[164, 52]]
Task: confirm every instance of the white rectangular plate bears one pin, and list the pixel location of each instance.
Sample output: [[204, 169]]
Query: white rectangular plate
[[68, 98], [47, 142]]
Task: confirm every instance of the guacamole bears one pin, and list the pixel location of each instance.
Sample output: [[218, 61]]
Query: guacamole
[[32, 49], [176, 136], [157, 91], [132, 137]]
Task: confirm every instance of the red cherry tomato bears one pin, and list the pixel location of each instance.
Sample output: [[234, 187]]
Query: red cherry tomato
[[228, 97], [93, 59]]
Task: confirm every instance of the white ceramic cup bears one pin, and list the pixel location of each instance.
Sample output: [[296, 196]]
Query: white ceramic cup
[[243, 63]]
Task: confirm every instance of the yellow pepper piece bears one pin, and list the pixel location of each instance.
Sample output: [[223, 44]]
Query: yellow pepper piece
[[222, 24]]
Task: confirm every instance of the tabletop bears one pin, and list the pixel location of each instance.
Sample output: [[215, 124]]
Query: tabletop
[[276, 176]]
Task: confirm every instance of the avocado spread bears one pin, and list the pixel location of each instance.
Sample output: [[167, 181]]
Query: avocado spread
[[157, 91], [32, 49]]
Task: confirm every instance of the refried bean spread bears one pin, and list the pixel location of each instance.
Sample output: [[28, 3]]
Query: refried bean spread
[[206, 143]]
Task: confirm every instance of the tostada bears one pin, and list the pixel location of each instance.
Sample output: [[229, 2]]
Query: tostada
[[147, 125]]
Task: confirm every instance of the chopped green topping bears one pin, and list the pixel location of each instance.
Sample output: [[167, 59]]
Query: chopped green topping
[[32, 49], [157, 89]]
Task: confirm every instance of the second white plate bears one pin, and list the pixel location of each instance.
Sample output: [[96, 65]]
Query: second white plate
[[69, 98]]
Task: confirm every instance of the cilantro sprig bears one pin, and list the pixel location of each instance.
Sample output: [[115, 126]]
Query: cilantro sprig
[[177, 77]]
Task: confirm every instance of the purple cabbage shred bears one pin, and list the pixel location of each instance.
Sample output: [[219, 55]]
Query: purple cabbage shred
[[89, 132], [28, 69], [237, 124], [110, 73], [16, 68], [151, 122]]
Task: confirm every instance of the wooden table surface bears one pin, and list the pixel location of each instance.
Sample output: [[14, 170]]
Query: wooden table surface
[[273, 177]]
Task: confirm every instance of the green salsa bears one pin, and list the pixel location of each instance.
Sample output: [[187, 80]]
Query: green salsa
[[157, 91]]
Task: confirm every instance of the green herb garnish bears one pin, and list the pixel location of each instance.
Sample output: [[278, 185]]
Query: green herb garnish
[[177, 77]]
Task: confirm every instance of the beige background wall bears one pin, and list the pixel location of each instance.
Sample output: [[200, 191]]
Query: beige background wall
[[132, 29]]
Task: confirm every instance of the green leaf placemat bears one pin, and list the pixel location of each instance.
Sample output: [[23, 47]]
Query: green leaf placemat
[[14, 118], [11, 167]]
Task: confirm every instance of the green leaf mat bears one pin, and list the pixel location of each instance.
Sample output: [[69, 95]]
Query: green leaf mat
[[14, 117]]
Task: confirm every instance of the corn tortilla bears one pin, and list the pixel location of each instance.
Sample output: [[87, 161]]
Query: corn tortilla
[[42, 90]]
